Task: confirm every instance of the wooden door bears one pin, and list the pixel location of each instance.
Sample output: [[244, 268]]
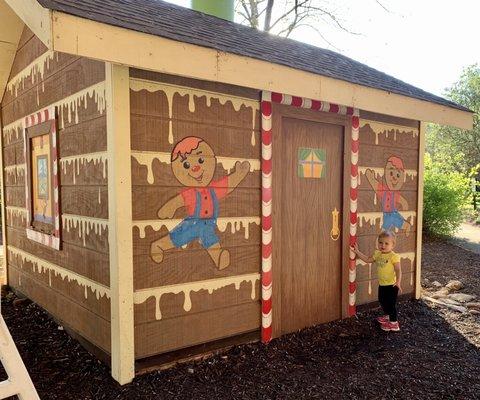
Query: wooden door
[[307, 255]]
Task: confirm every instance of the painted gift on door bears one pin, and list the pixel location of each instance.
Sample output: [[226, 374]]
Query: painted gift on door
[[193, 164], [388, 191]]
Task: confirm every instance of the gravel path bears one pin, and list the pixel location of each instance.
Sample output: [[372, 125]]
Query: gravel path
[[468, 236], [433, 357]]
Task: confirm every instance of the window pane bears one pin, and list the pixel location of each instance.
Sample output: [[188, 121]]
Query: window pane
[[41, 179]]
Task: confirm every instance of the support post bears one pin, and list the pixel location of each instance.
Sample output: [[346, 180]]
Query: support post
[[3, 258], [418, 255], [120, 222]]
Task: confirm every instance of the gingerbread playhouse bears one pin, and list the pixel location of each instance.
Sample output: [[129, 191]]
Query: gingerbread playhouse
[[174, 182]]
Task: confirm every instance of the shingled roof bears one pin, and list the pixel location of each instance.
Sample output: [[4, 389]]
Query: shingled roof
[[184, 25]]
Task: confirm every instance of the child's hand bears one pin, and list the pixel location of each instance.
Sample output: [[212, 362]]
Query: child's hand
[[398, 285]]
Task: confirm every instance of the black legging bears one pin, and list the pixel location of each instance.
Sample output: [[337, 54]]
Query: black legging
[[387, 296]]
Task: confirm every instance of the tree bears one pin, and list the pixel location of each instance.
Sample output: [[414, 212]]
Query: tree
[[282, 17], [457, 149]]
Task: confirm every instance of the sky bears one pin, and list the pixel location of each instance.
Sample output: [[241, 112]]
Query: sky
[[426, 43]]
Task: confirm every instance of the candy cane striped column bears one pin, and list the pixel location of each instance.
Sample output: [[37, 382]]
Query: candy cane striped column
[[266, 107], [352, 273]]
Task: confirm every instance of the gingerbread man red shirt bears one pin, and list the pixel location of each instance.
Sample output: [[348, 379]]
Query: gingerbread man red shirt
[[207, 208]]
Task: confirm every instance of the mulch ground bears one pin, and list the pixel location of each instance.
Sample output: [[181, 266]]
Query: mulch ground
[[435, 356]]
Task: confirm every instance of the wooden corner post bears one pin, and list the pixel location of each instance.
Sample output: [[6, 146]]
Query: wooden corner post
[[3, 259], [120, 222], [418, 255]]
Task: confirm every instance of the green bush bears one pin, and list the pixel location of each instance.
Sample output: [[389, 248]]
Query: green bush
[[446, 196]]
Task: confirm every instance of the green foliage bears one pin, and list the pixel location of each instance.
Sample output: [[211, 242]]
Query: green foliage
[[447, 195], [456, 149]]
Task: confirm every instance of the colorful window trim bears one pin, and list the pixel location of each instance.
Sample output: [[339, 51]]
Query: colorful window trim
[[43, 228]]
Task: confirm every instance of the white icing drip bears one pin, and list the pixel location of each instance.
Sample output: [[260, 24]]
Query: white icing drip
[[71, 103], [41, 266], [237, 223], [99, 196], [85, 225], [74, 102], [17, 212], [229, 162], [382, 128], [146, 158], [210, 285], [35, 68], [81, 160], [170, 90], [15, 128], [372, 217], [15, 170]]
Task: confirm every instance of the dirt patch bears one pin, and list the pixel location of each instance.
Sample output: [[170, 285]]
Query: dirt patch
[[430, 358], [442, 262]]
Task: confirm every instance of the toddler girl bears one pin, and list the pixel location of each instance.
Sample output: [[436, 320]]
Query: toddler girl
[[389, 278]]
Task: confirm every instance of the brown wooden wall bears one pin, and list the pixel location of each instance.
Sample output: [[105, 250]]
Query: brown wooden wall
[[207, 111], [380, 138], [55, 279]]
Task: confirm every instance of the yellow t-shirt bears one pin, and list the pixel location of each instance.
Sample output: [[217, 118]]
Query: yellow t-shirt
[[385, 269]]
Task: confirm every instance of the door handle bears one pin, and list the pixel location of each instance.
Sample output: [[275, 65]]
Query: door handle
[[335, 232]]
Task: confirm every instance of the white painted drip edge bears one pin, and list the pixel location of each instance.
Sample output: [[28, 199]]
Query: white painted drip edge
[[86, 219], [81, 280], [381, 170], [27, 71], [401, 128], [79, 157], [18, 123], [136, 88], [192, 286], [162, 156]]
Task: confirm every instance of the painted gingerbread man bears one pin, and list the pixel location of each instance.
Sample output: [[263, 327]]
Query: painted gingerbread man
[[389, 194], [193, 163]]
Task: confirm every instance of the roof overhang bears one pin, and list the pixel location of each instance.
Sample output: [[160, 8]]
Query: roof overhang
[[70, 34], [11, 27]]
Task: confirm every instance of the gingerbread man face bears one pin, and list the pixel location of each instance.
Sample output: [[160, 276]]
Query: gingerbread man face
[[197, 168], [394, 177]]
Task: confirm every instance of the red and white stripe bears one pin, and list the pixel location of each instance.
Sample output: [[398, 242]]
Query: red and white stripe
[[352, 273], [37, 118], [266, 108]]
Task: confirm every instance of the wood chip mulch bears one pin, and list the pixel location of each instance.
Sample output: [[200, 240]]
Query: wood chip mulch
[[434, 356]]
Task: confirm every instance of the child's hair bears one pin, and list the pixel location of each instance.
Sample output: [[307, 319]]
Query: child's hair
[[387, 234], [396, 162], [185, 146]]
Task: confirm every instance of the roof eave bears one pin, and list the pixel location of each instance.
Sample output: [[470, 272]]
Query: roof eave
[[11, 27], [74, 35]]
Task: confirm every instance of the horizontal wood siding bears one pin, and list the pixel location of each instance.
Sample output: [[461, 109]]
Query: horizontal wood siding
[[72, 284], [382, 137], [214, 113]]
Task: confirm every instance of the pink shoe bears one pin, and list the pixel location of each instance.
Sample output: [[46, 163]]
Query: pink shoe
[[383, 319], [391, 326]]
